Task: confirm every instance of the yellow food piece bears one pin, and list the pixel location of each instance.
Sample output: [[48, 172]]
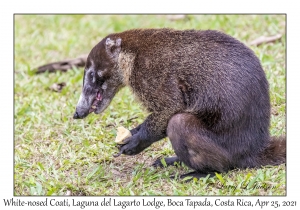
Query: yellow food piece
[[122, 134]]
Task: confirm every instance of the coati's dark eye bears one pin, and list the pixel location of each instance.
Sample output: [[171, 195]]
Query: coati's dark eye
[[92, 74]]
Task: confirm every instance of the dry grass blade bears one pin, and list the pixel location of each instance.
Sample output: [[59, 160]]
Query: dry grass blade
[[63, 65], [265, 39]]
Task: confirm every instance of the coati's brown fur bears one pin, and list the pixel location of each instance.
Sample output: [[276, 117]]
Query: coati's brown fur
[[205, 90]]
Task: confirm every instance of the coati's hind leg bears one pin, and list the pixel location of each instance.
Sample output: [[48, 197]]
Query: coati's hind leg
[[170, 161], [195, 146]]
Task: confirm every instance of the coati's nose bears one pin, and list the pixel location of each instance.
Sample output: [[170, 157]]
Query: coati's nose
[[76, 115], [79, 114]]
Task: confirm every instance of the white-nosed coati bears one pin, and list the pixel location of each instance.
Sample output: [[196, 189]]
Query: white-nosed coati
[[205, 90]]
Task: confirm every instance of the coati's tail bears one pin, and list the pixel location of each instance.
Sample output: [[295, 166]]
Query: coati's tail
[[275, 153]]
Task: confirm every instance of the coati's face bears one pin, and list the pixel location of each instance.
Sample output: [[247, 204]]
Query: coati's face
[[101, 79]]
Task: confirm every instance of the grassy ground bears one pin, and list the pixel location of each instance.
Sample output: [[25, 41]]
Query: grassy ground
[[56, 155]]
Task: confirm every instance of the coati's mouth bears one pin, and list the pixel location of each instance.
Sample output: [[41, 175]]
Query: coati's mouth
[[96, 102]]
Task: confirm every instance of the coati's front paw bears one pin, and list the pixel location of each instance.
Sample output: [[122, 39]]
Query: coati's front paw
[[133, 147]]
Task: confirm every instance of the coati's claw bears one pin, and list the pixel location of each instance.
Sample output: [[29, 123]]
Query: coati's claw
[[120, 150], [118, 154], [123, 150]]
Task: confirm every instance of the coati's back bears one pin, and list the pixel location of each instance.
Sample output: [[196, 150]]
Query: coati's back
[[206, 73]]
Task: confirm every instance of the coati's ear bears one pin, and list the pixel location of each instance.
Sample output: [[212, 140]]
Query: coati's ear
[[113, 47]]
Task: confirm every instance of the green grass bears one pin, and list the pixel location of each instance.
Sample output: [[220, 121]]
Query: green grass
[[55, 154]]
